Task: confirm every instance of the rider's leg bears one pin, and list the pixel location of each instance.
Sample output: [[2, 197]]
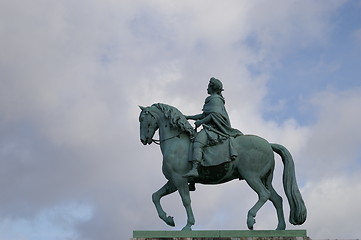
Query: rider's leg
[[198, 144]]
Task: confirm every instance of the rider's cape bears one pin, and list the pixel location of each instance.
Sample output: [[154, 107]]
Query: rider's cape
[[214, 106], [219, 131]]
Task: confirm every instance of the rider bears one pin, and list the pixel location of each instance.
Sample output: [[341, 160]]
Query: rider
[[214, 116]]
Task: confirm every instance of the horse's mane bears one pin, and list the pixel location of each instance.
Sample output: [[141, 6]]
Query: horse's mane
[[176, 118]]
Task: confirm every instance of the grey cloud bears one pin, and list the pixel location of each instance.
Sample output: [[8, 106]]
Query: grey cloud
[[72, 78]]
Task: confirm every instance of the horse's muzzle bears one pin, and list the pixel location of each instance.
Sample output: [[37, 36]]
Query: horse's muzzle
[[146, 141]]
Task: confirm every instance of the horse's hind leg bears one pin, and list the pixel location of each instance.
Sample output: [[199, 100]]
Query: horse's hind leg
[[263, 195], [168, 188], [277, 203]]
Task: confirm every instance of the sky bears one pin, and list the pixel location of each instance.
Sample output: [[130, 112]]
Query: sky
[[72, 74]]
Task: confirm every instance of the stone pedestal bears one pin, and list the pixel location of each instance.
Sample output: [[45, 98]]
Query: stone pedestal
[[222, 235]]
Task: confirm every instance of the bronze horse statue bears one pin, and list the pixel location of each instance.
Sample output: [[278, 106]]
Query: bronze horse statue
[[255, 164]]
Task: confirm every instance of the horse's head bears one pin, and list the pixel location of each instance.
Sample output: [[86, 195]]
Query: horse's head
[[148, 125]]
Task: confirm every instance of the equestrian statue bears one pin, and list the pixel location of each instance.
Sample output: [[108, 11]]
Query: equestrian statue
[[216, 154]]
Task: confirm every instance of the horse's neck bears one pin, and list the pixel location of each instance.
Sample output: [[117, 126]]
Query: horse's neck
[[170, 137], [166, 130]]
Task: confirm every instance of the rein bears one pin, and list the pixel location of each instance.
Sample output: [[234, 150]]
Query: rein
[[158, 142]]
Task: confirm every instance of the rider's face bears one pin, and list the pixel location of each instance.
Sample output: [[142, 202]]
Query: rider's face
[[210, 90]]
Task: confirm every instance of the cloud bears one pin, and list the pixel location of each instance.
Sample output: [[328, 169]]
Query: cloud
[[334, 206], [73, 73], [334, 143]]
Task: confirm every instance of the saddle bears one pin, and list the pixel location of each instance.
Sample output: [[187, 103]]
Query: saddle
[[218, 154], [212, 175]]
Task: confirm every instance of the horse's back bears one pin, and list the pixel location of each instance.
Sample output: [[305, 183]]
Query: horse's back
[[254, 159]]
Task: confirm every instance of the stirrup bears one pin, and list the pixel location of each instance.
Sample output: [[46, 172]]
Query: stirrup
[[192, 186]]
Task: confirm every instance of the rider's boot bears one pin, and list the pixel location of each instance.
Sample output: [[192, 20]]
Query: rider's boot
[[194, 171], [197, 157]]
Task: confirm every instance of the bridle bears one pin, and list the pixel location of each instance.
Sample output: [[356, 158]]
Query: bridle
[[158, 142]]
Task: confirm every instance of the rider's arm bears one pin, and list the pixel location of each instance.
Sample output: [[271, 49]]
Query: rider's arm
[[205, 120], [195, 117]]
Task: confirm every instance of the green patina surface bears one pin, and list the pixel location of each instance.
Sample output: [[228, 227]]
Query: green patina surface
[[220, 154], [220, 233]]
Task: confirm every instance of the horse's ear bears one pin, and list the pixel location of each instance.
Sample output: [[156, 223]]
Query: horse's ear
[[141, 107]]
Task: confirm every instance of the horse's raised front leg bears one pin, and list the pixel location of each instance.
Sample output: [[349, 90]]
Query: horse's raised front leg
[[263, 195], [183, 189], [168, 188]]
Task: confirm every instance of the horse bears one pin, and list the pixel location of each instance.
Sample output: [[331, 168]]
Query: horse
[[255, 164]]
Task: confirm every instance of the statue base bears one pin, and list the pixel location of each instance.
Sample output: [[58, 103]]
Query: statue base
[[222, 235]]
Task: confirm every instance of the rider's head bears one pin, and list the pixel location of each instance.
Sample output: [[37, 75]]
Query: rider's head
[[215, 85]]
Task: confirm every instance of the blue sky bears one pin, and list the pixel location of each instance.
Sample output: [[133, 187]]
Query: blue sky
[[332, 64], [73, 73]]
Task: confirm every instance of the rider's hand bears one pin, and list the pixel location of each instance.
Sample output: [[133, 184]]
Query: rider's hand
[[198, 123]]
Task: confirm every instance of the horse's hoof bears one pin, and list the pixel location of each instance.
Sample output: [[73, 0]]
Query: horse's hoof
[[250, 222], [281, 227], [170, 221], [187, 228]]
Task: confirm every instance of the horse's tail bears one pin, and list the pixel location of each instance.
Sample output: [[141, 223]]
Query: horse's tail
[[298, 212]]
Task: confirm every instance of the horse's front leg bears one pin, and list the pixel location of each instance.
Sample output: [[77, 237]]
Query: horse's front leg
[[168, 188], [183, 189]]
